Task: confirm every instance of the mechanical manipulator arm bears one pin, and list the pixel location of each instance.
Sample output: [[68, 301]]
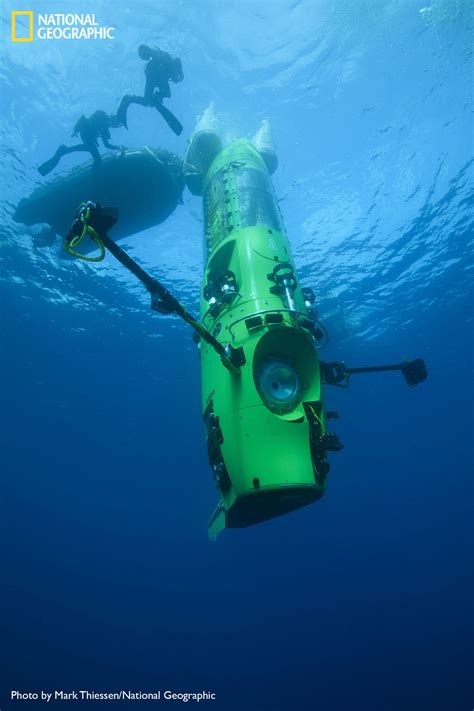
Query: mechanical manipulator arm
[[337, 373]]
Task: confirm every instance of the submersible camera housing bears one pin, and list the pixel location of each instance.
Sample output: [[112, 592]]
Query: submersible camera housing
[[265, 425]]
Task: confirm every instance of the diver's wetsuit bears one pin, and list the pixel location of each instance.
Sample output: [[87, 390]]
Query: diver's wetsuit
[[90, 130], [159, 71], [161, 68]]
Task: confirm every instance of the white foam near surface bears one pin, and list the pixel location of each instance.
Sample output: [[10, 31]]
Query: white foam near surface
[[204, 145], [265, 145], [206, 142], [208, 121]]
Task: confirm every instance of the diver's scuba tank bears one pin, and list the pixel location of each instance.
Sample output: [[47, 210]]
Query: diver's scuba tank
[[266, 427]]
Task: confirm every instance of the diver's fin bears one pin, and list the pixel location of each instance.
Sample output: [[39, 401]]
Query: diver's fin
[[121, 114], [170, 119], [51, 164], [216, 523]]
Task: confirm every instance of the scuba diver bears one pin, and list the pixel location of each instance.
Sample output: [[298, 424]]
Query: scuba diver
[[161, 68], [90, 130]]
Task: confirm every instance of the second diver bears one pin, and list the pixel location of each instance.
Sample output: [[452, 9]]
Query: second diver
[[90, 129]]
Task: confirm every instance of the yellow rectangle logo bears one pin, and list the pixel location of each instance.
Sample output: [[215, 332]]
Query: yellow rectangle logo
[[15, 14]]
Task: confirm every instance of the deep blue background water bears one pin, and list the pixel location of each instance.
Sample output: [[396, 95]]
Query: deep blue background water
[[362, 601]]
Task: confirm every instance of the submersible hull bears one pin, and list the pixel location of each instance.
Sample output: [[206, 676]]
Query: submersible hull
[[266, 424]]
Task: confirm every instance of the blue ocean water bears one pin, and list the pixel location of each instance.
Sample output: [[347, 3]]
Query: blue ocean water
[[362, 601]]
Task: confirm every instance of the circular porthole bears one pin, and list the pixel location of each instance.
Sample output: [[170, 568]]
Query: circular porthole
[[279, 385]]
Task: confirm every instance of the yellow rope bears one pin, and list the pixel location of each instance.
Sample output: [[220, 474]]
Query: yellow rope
[[323, 428], [88, 230]]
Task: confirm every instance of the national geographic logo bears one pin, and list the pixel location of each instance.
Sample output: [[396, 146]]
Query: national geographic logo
[[58, 26], [18, 34]]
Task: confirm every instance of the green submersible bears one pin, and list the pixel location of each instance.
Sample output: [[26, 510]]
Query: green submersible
[[266, 425], [263, 405]]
